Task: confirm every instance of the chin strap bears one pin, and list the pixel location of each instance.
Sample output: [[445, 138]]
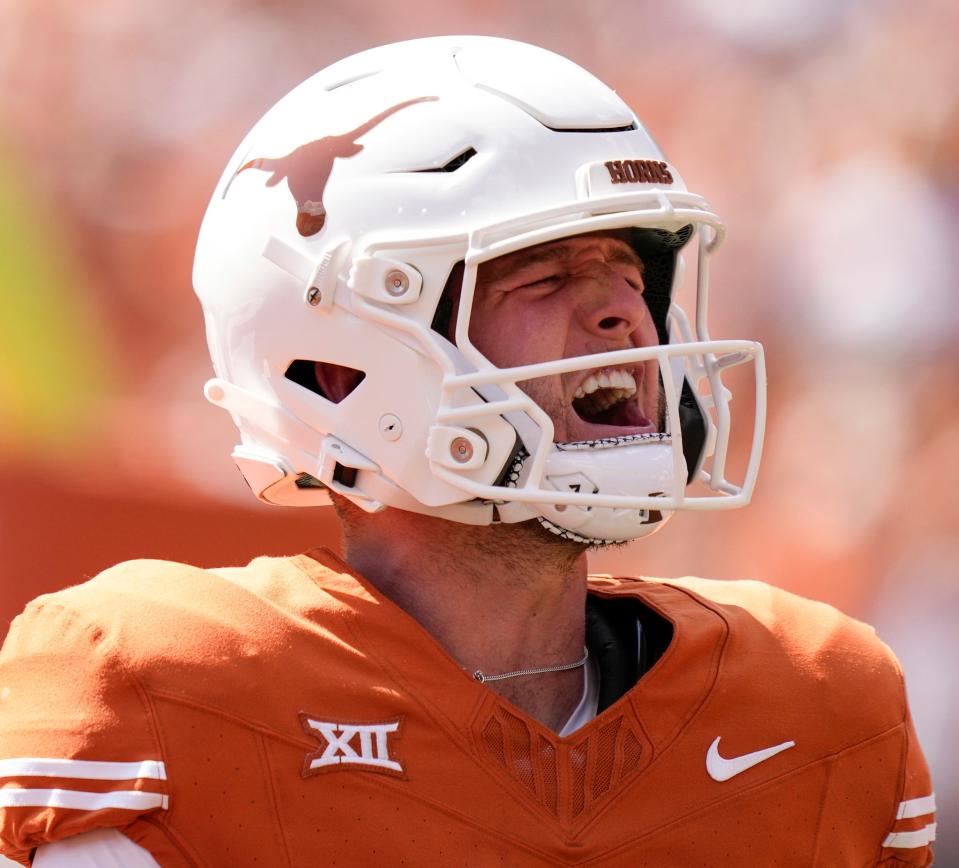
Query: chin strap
[[611, 442], [512, 475]]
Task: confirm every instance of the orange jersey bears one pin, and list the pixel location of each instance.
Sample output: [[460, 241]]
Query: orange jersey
[[286, 714]]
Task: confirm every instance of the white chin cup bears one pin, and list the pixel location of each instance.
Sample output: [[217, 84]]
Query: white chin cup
[[597, 467]]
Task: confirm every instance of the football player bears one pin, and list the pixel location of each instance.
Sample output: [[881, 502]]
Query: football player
[[440, 285]]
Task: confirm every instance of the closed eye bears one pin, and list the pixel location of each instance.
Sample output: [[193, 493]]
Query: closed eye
[[634, 282], [542, 281], [633, 276]]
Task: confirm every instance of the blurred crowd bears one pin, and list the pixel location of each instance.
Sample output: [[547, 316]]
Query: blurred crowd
[[825, 132]]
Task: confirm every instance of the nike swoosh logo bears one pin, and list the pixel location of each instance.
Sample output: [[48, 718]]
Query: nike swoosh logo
[[722, 769]]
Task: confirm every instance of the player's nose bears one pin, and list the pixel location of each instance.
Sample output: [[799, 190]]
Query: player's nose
[[611, 307]]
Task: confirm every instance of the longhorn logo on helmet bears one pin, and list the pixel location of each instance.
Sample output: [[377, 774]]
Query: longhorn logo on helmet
[[308, 168]]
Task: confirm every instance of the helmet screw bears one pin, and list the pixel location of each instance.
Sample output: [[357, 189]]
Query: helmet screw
[[314, 296], [390, 427], [461, 450], [396, 282]]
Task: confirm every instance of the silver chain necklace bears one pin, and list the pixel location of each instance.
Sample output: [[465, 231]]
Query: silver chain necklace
[[563, 667]]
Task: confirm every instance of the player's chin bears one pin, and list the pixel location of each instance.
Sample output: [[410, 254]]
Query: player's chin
[[536, 535], [558, 541]]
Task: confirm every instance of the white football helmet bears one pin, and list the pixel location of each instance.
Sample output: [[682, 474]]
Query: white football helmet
[[333, 234]]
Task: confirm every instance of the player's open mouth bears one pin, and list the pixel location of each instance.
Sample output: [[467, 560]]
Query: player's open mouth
[[610, 398]]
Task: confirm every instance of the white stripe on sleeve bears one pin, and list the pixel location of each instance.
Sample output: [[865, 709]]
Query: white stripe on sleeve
[[91, 770], [129, 800], [916, 807], [911, 840]]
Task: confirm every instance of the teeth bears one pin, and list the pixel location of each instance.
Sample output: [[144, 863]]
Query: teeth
[[616, 386], [620, 380]]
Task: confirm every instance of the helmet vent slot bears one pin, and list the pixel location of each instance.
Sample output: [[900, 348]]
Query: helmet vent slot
[[457, 162], [625, 129], [329, 381]]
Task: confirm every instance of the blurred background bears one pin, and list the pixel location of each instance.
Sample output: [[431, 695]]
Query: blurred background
[[825, 132]]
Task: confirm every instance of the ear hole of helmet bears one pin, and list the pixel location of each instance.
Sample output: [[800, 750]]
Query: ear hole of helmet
[[329, 381]]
